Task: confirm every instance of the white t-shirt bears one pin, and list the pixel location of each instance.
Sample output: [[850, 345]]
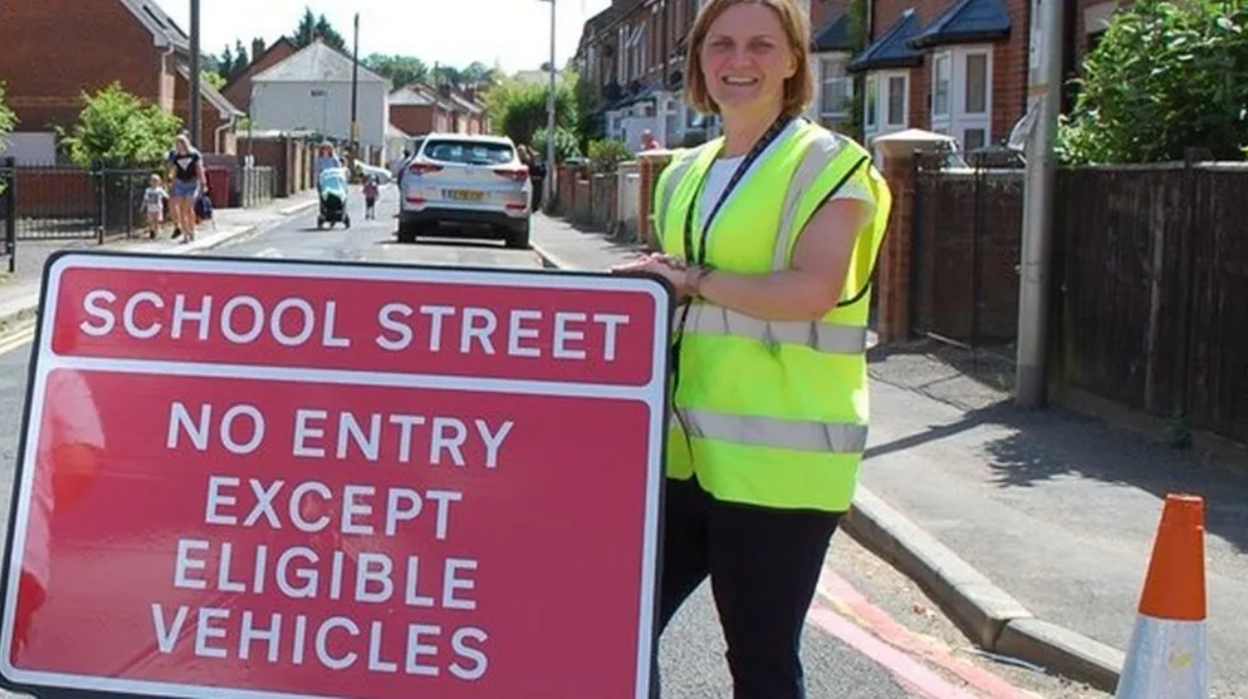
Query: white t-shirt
[[722, 170]]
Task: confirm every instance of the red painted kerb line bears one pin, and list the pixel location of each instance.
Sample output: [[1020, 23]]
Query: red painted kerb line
[[904, 668], [900, 644]]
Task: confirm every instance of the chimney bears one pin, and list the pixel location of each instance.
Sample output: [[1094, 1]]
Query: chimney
[[445, 89], [257, 48]]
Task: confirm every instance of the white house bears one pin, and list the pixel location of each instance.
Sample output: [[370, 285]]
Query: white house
[[311, 90]]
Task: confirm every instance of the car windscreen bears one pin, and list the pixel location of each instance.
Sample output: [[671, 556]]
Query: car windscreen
[[469, 152]]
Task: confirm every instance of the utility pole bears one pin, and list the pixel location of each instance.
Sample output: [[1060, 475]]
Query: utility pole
[[549, 195], [196, 113], [355, 91], [1031, 380]]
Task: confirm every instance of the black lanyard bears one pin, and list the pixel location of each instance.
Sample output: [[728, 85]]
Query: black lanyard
[[773, 132]]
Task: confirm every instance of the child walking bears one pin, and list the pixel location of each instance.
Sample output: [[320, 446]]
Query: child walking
[[370, 197], [154, 200]]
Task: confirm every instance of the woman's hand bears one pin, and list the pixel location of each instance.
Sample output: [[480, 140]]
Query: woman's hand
[[670, 268]]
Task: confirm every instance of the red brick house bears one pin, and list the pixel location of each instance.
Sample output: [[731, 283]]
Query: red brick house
[[633, 53], [54, 50], [960, 67], [238, 89], [421, 109], [831, 45]]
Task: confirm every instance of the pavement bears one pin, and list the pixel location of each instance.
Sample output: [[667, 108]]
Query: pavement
[[872, 632], [1031, 530], [19, 291]]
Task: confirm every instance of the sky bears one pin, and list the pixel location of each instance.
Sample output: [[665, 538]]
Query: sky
[[515, 34]]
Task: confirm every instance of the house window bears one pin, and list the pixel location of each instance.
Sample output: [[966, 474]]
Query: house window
[[966, 112], [897, 94], [836, 89], [941, 78], [887, 102], [871, 102]]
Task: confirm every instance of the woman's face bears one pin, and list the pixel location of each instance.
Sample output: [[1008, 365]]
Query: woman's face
[[746, 59]]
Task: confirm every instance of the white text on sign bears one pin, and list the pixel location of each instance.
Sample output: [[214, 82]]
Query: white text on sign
[[350, 513], [296, 322]]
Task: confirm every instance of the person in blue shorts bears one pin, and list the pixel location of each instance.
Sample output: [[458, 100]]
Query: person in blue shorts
[[187, 181]]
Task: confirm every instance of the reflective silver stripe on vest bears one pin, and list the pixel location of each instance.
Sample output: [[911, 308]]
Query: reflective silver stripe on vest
[[709, 319], [797, 435], [819, 157], [669, 190]]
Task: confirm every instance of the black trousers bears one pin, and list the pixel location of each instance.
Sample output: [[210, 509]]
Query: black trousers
[[763, 564]]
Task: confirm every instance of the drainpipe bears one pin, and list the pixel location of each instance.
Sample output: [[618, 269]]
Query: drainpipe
[[216, 137], [160, 85]]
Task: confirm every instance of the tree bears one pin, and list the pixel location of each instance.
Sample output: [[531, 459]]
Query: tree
[[242, 59], [226, 63], [1165, 77], [399, 70], [519, 109], [215, 79], [588, 100], [118, 130], [312, 27], [447, 75]]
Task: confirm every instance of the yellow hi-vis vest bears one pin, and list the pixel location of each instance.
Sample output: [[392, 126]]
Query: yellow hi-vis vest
[[776, 412]]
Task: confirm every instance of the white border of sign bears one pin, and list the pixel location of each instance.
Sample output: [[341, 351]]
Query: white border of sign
[[44, 360]]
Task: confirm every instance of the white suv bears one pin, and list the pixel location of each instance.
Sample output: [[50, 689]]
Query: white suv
[[458, 178]]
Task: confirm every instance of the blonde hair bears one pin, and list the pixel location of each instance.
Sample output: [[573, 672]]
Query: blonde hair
[[798, 90]]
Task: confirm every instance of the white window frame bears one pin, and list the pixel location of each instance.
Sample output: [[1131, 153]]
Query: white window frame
[[833, 75], [877, 86], [957, 121]]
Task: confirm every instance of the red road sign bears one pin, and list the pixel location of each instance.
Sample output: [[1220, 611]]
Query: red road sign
[[280, 479]]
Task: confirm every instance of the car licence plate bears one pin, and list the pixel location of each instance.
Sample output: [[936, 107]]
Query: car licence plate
[[463, 194]]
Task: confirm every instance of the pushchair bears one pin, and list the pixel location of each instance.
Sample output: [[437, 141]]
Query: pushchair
[[331, 187]]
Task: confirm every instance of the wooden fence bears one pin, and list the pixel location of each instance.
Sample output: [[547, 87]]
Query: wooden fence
[[1150, 283]]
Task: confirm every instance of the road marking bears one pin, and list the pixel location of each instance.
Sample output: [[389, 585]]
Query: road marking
[[915, 676], [17, 339], [886, 641], [269, 252]]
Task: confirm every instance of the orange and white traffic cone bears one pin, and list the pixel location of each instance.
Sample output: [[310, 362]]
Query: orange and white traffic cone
[[1168, 657]]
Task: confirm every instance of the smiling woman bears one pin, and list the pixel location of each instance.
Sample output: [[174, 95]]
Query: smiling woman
[[769, 236]]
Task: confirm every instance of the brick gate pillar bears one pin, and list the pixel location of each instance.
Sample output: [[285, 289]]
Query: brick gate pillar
[[651, 164], [894, 155]]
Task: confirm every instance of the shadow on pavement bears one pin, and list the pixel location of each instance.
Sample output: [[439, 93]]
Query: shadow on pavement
[[1056, 444]]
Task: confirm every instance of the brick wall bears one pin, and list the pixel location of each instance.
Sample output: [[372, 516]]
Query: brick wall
[[55, 193], [53, 50], [418, 119], [238, 91], [651, 165], [603, 208]]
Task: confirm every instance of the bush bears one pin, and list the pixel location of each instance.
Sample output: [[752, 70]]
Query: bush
[[606, 155], [8, 122], [117, 130], [566, 145], [1165, 77]]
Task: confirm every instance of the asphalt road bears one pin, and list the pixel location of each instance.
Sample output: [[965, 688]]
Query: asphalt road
[[883, 642]]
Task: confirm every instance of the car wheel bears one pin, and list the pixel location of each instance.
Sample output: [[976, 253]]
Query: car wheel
[[407, 233], [518, 239]]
